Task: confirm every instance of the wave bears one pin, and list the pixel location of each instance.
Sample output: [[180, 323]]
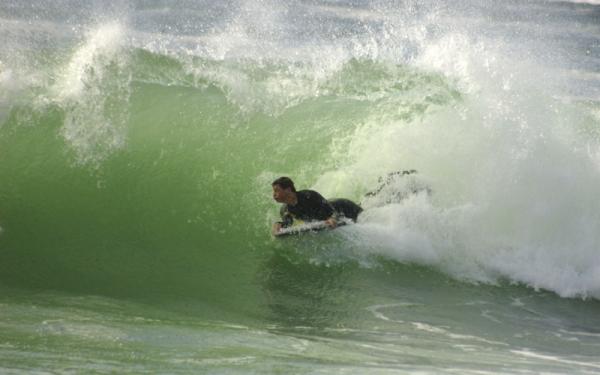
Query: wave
[[149, 152]]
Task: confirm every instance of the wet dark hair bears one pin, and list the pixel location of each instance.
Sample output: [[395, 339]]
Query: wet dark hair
[[285, 183]]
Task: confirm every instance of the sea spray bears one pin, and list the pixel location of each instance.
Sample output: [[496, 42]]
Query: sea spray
[[93, 90]]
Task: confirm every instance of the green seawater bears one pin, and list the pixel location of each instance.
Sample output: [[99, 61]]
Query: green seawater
[[136, 161]]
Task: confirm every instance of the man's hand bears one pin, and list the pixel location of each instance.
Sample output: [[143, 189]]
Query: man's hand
[[276, 228], [331, 222]]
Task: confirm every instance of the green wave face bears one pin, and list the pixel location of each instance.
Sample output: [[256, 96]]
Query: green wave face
[[156, 181]]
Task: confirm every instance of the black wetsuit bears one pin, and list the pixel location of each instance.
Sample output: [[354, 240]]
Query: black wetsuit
[[312, 206]]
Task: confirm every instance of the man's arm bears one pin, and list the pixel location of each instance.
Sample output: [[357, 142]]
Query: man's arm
[[286, 217], [331, 220], [286, 220], [324, 210]]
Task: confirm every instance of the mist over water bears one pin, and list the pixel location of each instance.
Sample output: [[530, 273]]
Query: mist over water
[[138, 141]]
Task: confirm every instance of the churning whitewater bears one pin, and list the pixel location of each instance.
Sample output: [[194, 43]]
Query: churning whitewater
[[139, 141]]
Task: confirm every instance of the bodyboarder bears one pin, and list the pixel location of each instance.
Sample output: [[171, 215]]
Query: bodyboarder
[[309, 205]]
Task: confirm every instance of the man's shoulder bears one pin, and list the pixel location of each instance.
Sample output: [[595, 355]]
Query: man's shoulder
[[309, 196], [307, 193]]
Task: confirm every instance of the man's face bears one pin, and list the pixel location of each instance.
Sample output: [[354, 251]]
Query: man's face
[[281, 195]]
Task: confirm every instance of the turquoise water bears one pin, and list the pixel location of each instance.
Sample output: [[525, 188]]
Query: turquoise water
[[138, 142]]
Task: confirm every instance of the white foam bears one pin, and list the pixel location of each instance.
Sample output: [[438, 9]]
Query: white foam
[[528, 217], [443, 331], [531, 354], [514, 180], [581, 333], [375, 310]]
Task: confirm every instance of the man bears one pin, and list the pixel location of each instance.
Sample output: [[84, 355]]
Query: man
[[309, 205]]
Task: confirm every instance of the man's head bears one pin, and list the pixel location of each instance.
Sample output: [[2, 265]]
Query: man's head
[[284, 190]]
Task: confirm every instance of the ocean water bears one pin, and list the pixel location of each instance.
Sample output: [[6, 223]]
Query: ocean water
[[138, 141]]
